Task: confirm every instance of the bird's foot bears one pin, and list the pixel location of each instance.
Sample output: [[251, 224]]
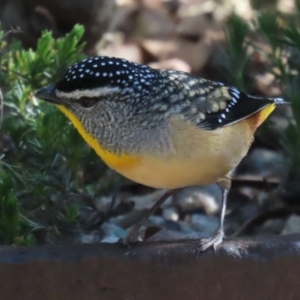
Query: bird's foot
[[213, 241], [133, 236]]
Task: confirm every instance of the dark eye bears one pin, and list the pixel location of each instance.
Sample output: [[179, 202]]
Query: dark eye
[[87, 102]]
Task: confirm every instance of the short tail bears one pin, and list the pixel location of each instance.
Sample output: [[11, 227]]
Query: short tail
[[261, 116], [276, 101], [280, 101]]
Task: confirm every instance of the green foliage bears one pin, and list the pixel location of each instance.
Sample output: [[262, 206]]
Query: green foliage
[[45, 171], [71, 214], [282, 34], [236, 33], [9, 209]]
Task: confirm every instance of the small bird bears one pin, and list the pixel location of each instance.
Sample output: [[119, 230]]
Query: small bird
[[161, 128]]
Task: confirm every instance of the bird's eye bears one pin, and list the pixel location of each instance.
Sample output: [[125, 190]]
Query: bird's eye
[[87, 102]]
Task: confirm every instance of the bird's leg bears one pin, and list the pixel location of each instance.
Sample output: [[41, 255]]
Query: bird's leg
[[133, 234], [217, 237]]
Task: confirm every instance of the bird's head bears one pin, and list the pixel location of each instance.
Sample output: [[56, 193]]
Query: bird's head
[[99, 85]]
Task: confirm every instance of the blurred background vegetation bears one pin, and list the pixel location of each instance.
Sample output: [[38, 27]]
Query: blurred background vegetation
[[54, 189]]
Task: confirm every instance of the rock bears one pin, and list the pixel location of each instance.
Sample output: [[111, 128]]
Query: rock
[[110, 239], [103, 203], [192, 198], [194, 26], [33, 16], [273, 226], [90, 238], [205, 224], [194, 54], [292, 225], [112, 233], [171, 214], [173, 64], [148, 200], [156, 221], [153, 23], [265, 163], [159, 49], [117, 47]]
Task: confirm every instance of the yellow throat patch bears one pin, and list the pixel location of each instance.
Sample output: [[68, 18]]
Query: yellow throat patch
[[114, 161]]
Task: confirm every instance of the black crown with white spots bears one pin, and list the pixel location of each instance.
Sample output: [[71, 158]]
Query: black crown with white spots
[[100, 71]]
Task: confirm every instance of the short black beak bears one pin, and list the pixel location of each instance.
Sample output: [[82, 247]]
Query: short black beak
[[47, 93]]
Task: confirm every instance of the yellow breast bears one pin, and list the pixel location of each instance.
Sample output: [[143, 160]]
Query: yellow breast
[[117, 162], [200, 157]]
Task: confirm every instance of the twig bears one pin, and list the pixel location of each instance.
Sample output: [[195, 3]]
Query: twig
[[255, 182]]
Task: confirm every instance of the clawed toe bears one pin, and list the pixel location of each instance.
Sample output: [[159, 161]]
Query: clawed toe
[[132, 237], [214, 241]]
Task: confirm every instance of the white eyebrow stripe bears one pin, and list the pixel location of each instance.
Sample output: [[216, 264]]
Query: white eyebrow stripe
[[97, 92]]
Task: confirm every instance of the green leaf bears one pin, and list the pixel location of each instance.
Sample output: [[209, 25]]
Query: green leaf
[[9, 209]]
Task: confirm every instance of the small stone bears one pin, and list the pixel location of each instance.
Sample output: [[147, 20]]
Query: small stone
[[90, 238], [205, 224], [148, 200], [103, 203], [156, 220], [171, 214], [265, 163], [110, 239], [292, 225], [112, 233], [273, 226], [193, 198]]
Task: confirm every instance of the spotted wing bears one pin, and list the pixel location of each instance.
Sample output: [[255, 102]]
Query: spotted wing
[[239, 107], [215, 105]]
